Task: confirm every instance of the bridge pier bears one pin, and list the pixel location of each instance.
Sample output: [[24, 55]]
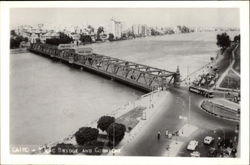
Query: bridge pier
[[177, 78]]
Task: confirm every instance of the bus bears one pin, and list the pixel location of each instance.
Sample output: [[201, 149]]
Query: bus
[[201, 91]]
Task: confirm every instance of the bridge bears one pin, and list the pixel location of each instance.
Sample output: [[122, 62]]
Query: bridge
[[137, 75]]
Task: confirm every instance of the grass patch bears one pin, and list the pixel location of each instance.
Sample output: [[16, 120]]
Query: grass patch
[[130, 119]]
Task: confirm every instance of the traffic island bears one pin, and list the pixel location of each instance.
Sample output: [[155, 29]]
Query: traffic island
[[222, 108]]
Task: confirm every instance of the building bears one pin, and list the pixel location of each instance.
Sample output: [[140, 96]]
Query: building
[[33, 38], [48, 35], [116, 28], [143, 30], [135, 30], [140, 30]]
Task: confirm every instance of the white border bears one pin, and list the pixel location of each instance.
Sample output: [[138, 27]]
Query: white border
[[39, 159]]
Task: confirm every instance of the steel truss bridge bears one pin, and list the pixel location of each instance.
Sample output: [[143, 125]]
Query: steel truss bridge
[[137, 75]]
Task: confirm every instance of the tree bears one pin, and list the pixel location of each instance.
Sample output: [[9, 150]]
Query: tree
[[63, 39], [99, 31], [16, 40], [86, 134], [223, 41], [154, 32], [124, 36], [116, 133], [86, 39], [184, 29], [111, 37], [13, 33], [237, 38], [104, 122]]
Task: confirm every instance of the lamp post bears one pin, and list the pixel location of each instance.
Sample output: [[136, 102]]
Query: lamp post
[[183, 117], [113, 140]]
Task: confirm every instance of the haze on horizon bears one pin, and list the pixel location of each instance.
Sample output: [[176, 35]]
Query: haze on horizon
[[194, 17]]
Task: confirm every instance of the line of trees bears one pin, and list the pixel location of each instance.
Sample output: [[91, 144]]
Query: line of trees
[[184, 29], [237, 38], [15, 40], [88, 138], [63, 39]]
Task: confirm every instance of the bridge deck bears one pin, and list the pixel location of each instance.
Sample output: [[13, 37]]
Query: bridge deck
[[138, 75]]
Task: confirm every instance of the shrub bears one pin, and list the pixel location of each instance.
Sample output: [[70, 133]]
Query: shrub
[[86, 134], [111, 37], [16, 40], [62, 148], [116, 133], [104, 122], [86, 39]]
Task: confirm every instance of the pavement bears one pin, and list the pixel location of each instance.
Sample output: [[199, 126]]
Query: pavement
[[145, 142], [187, 130]]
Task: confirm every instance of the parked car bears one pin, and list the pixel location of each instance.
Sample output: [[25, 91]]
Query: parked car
[[212, 152], [192, 145], [195, 154], [208, 140]]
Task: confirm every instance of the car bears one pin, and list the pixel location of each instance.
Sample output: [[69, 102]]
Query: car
[[208, 140], [192, 145], [195, 154]]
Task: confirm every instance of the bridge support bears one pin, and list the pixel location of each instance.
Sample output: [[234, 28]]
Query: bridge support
[[177, 78]]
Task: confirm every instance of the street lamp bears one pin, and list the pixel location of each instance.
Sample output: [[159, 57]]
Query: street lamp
[[180, 100], [113, 140]]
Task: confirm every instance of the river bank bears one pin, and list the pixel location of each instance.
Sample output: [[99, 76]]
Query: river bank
[[18, 51], [82, 97], [150, 102]]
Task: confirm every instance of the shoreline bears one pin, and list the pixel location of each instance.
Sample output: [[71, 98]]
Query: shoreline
[[116, 113], [18, 50], [140, 101]]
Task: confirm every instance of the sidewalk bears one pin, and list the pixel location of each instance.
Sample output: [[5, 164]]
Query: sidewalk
[[175, 145], [158, 98]]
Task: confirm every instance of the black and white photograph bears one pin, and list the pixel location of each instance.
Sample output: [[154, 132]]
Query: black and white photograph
[[127, 82]]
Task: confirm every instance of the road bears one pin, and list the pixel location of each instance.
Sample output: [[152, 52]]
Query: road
[[146, 143], [230, 67]]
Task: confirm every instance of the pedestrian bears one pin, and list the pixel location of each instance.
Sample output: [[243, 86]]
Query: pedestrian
[[158, 135]]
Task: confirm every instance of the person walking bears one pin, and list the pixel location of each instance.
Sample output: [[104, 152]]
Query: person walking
[[158, 135]]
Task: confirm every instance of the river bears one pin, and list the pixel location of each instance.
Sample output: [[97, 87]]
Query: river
[[49, 100]]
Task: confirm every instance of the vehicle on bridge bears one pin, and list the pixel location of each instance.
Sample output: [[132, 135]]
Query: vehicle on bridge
[[201, 91]]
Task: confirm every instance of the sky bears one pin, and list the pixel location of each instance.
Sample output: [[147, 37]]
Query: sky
[[201, 17]]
